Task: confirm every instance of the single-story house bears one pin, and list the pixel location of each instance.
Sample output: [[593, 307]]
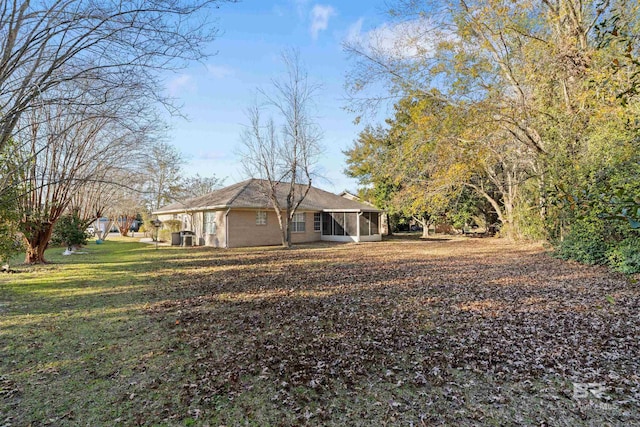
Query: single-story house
[[242, 215]]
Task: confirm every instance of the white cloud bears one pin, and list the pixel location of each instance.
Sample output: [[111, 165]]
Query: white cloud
[[219, 71], [320, 15], [300, 6], [211, 155], [403, 40], [180, 84], [354, 33]]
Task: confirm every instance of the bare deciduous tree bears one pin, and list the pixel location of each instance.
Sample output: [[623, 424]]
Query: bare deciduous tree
[[284, 160], [64, 149], [116, 195], [161, 166], [114, 45], [125, 210], [77, 79], [198, 185], [93, 199]]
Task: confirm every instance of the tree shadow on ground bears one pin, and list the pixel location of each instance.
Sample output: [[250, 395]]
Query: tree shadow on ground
[[273, 331], [376, 313]]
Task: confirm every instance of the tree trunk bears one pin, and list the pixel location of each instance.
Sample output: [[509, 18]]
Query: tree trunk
[[126, 221], [287, 241], [387, 219], [102, 234], [283, 229], [505, 216], [37, 244], [509, 224], [124, 231], [425, 223], [287, 231]]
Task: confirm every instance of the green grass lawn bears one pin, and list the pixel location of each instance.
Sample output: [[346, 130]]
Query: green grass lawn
[[77, 344], [403, 332]]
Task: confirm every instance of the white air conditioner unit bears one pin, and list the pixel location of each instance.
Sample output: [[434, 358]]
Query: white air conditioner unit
[[187, 240]]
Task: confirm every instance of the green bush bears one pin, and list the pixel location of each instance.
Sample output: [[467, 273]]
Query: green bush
[[69, 231], [169, 226], [625, 256], [172, 225], [164, 235], [585, 242], [10, 241], [530, 225], [603, 242], [56, 239]]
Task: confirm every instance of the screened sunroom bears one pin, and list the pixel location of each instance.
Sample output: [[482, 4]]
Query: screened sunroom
[[351, 226]]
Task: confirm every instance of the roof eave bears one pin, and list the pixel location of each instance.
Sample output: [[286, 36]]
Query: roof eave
[[351, 210], [196, 209]]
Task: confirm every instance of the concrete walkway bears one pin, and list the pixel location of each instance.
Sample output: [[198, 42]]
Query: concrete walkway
[[151, 241]]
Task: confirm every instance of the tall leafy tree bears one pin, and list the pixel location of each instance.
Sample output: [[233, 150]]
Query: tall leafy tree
[[529, 84]]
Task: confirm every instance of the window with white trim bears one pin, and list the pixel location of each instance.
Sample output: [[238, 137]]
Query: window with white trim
[[261, 218], [317, 222], [297, 223], [209, 223]]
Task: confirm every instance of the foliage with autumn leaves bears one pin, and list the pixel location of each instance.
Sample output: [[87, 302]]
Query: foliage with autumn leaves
[[532, 106]]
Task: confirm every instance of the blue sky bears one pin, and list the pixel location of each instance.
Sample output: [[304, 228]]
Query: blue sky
[[253, 35]]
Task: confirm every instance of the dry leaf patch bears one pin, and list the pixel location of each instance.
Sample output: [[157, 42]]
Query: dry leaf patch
[[308, 327]]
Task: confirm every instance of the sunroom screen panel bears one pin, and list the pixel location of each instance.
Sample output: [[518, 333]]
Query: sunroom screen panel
[[351, 224], [338, 223], [327, 224], [375, 221], [365, 224]]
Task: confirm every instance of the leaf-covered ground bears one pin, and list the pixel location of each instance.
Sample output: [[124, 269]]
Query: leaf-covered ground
[[404, 332], [408, 333]]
